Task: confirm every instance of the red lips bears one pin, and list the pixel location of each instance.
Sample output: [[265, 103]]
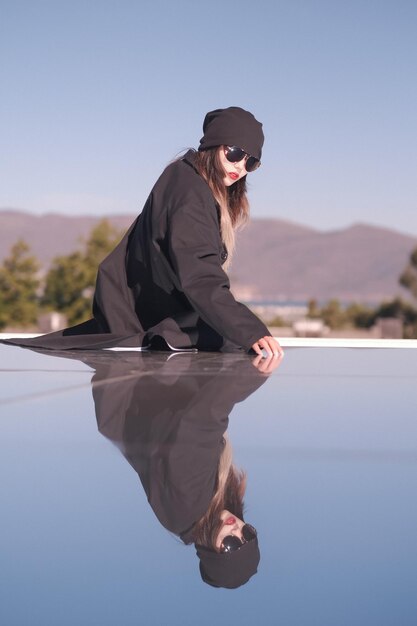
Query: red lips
[[233, 175], [230, 520]]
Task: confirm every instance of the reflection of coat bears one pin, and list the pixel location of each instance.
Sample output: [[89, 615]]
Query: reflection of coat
[[165, 278], [168, 417]]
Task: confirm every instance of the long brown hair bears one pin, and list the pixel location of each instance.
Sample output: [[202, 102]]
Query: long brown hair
[[233, 201], [229, 493]]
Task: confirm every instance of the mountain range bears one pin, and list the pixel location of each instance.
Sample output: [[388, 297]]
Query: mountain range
[[276, 260]]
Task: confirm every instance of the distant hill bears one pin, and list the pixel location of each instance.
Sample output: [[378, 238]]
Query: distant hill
[[50, 234], [291, 262], [275, 259]]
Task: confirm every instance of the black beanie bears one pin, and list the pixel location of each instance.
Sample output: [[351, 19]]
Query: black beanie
[[230, 569], [232, 127]]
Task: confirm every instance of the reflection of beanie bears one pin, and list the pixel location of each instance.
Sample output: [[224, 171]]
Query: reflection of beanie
[[233, 127], [230, 569]]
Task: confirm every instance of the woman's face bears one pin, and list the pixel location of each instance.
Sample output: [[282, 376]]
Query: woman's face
[[233, 171], [231, 525]]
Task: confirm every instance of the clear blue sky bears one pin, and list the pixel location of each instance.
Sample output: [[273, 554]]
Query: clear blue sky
[[97, 96]]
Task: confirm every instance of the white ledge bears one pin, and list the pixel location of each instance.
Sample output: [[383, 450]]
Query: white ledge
[[303, 342], [320, 342]]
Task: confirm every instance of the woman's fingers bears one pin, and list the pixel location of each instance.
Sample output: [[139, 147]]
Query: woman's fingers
[[257, 349], [270, 346]]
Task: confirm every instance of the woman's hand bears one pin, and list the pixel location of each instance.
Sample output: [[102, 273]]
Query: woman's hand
[[270, 346]]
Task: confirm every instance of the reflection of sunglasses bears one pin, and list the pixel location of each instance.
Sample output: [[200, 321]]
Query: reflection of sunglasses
[[234, 155], [231, 543]]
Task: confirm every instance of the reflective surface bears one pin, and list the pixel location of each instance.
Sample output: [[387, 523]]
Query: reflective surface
[[329, 445]]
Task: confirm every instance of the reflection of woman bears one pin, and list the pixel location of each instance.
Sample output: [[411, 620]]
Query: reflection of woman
[[226, 545], [165, 282], [169, 419]]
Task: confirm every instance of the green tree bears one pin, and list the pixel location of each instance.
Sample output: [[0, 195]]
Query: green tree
[[359, 316], [401, 310], [69, 284], [408, 278], [314, 311], [18, 287], [333, 315], [66, 287]]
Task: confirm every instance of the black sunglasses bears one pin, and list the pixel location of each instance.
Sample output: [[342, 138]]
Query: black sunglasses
[[235, 154], [231, 543]]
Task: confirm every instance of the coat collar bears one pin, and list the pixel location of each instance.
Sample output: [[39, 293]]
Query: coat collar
[[190, 158]]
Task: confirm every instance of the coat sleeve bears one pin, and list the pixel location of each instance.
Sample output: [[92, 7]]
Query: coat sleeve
[[195, 246]]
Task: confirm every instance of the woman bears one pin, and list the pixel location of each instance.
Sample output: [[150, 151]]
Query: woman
[[165, 284]]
